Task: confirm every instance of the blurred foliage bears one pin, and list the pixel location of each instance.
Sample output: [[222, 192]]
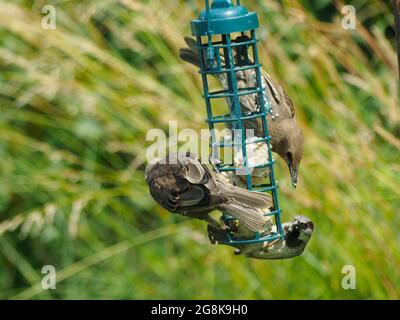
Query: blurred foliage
[[76, 103]]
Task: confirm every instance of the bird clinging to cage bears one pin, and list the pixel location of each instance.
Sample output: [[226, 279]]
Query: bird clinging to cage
[[297, 234], [181, 184], [286, 135]]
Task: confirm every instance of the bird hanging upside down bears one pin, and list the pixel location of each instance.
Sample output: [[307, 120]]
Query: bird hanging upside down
[[181, 184], [297, 234], [286, 135]]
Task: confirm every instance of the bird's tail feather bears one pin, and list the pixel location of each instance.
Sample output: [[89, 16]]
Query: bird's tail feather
[[246, 206], [191, 43], [190, 54]]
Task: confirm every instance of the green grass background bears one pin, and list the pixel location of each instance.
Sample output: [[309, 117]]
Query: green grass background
[[75, 106]]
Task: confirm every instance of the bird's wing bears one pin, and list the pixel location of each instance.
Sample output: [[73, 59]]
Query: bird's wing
[[280, 96], [180, 196], [246, 206], [164, 194]]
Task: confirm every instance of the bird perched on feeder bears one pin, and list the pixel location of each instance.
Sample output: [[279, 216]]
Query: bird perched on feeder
[[297, 234], [181, 184], [286, 135]]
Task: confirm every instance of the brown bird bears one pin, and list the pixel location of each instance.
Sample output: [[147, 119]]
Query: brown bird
[[181, 184], [286, 135]]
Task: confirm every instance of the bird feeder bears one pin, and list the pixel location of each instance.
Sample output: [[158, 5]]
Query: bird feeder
[[226, 38]]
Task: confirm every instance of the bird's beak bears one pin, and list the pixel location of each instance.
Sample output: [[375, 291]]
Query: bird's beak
[[293, 174]]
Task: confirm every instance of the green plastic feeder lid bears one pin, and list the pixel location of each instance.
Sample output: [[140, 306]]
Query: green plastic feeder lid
[[224, 17]]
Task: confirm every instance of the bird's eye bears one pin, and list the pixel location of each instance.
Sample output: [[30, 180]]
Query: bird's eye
[[289, 157]]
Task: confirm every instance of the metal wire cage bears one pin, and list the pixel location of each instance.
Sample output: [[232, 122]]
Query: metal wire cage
[[223, 54]]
